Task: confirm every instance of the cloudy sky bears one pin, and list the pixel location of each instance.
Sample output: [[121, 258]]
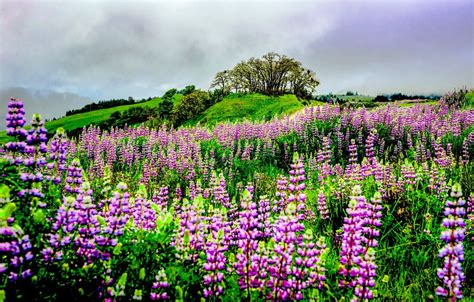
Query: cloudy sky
[[103, 50]]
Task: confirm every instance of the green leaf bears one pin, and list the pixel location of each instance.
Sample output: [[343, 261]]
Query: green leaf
[[101, 220], [39, 217], [123, 280], [179, 293], [142, 273], [117, 249]]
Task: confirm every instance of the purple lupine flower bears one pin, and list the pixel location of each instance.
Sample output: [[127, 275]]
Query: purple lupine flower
[[115, 215], [286, 235], [470, 212], [351, 247], [74, 177], [307, 270], [281, 194], [369, 146], [322, 207], [159, 287], [325, 159], [17, 248], [453, 252], [188, 239], [144, 217], [215, 265], [57, 154], [220, 190], [247, 238], [296, 188], [367, 266], [88, 225], [15, 121], [264, 223], [161, 199]]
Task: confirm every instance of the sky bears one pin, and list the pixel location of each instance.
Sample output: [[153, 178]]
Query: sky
[[115, 49]]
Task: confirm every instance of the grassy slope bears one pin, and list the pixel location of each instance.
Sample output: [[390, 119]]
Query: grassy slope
[[83, 119], [232, 108], [470, 100], [252, 107]]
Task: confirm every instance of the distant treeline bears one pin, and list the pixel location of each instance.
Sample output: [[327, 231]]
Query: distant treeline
[[401, 96], [106, 104]]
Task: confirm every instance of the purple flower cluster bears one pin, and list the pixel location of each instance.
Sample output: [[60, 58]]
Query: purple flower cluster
[[453, 252], [296, 187], [351, 247], [117, 216], [144, 217], [370, 231], [57, 154], [88, 226], [74, 177], [281, 194], [357, 258], [322, 207], [264, 223], [159, 287], [15, 121], [247, 239], [220, 192], [216, 246], [189, 237], [16, 246], [63, 228], [286, 236], [161, 199], [307, 271]]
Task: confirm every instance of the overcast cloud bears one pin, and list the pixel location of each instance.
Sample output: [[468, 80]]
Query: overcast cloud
[[120, 49]]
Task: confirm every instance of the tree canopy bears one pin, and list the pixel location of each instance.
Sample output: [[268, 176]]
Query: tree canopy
[[272, 74]]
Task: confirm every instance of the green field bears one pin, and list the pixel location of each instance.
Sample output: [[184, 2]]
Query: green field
[[470, 100], [84, 119], [251, 107], [231, 108]]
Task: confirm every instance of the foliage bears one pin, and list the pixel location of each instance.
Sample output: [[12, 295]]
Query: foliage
[[191, 106], [273, 74]]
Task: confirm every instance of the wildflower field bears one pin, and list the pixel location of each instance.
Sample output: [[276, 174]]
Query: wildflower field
[[330, 204]]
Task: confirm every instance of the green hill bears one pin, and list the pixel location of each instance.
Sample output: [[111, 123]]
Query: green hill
[[251, 106], [84, 119], [232, 108]]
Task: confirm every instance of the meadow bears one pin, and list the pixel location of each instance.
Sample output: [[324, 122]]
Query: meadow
[[330, 204]]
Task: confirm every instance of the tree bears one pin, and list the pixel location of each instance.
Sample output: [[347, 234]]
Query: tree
[[165, 108], [191, 106], [272, 74], [170, 93], [222, 82], [381, 98], [187, 90]]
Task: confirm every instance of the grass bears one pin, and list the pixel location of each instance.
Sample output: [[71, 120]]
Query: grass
[[356, 98], [469, 100], [410, 104], [251, 107], [83, 119]]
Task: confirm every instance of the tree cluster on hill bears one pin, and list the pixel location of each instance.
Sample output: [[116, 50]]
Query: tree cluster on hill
[[105, 105], [400, 96], [272, 74]]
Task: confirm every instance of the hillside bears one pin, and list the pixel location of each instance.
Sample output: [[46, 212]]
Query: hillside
[[83, 119], [232, 108], [251, 106]]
